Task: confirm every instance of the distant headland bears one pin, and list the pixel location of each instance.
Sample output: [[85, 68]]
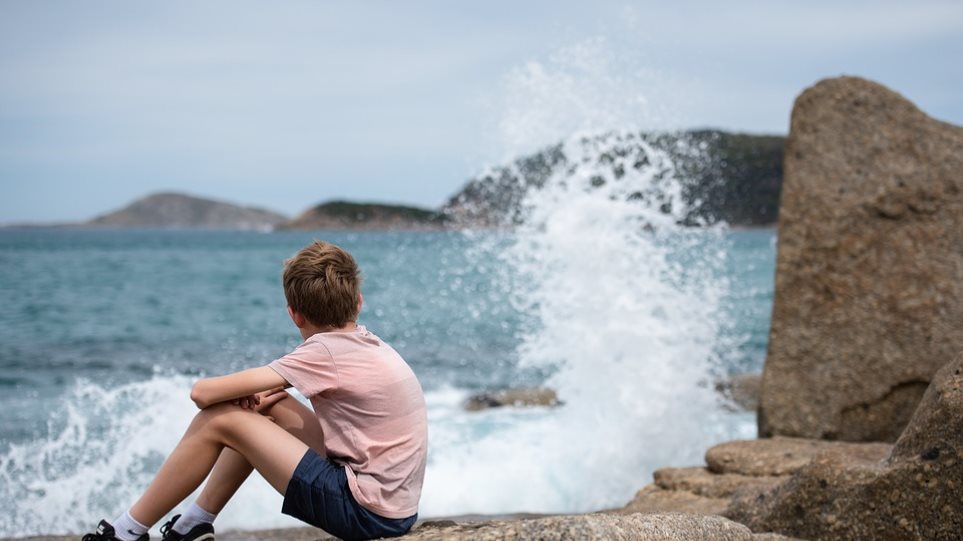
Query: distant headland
[[178, 210], [736, 178]]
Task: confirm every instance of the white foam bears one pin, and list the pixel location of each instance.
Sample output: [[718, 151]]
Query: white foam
[[629, 331], [104, 447], [624, 305]]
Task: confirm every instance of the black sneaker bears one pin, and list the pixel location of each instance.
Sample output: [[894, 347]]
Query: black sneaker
[[202, 532], [105, 532]]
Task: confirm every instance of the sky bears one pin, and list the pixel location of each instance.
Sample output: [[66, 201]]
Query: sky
[[286, 104]]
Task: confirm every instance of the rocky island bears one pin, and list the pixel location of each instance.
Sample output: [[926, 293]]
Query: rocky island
[[351, 215], [735, 178], [182, 211]]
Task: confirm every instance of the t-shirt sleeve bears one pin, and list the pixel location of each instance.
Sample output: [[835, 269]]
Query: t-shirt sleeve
[[309, 368]]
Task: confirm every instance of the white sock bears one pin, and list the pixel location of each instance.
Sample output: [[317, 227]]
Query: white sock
[[128, 529], [192, 517]]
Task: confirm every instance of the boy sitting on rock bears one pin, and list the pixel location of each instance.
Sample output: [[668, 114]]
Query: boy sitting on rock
[[354, 466]]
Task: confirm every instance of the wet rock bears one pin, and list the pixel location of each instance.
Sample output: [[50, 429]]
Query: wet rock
[[912, 493], [869, 272], [512, 397]]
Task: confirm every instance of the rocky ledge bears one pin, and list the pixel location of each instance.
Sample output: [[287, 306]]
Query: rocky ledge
[[636, 526]]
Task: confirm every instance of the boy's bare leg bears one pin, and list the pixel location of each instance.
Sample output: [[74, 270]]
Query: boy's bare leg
[[230, 472], [269, 448], [232, 469]]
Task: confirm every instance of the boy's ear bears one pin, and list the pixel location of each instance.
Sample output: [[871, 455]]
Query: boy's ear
[[360, 302], [296, 317]]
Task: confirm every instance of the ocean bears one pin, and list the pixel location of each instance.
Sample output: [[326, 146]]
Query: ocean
[[598, 294]]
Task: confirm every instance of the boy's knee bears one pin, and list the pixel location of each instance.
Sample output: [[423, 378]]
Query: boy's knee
[[221, 418]]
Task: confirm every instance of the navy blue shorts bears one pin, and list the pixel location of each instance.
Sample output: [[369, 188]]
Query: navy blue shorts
[[318, 494]]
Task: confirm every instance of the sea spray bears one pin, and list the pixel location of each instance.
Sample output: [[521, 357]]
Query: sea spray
[[105, 445], [625, 320]]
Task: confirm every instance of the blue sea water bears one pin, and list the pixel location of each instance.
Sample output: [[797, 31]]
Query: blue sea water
[[100, 329]]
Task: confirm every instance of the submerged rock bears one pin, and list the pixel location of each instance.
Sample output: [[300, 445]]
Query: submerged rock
[[869, 272], [512, 397]]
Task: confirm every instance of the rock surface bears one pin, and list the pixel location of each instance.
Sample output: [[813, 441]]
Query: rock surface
[[739, 470], [780, 456], [869, 272], [177, 210], [741, 390], [636, 527], [631, 527], [655, 499], [914, 492]]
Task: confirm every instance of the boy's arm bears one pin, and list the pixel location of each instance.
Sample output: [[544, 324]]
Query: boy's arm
[[239, 384]]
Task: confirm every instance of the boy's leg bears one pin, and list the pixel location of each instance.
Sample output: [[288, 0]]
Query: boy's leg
[[269, 448], [232, 469]]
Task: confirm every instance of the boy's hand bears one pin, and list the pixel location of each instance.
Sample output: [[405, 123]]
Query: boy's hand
[[247, 402], [267, 399], [261, 402]]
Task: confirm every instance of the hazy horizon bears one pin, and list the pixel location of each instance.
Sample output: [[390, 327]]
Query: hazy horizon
[[289, 105]]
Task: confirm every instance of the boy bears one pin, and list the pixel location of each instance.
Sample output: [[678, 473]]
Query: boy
[[354, 466]]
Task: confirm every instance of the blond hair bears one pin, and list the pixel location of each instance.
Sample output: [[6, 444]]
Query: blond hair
[[322, 282]]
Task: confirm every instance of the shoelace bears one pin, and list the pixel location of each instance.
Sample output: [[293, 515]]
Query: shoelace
[[166, 527]]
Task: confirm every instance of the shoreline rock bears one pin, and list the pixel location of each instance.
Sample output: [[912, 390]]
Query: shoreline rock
[[913, 491], [592, 526], [869, 270], [741, 390]]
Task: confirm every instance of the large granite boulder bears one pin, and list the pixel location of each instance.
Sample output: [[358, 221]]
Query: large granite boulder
[[913, 492], [869, 272]]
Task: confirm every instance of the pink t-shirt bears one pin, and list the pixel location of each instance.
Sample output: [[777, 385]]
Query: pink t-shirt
[[372, 412]]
